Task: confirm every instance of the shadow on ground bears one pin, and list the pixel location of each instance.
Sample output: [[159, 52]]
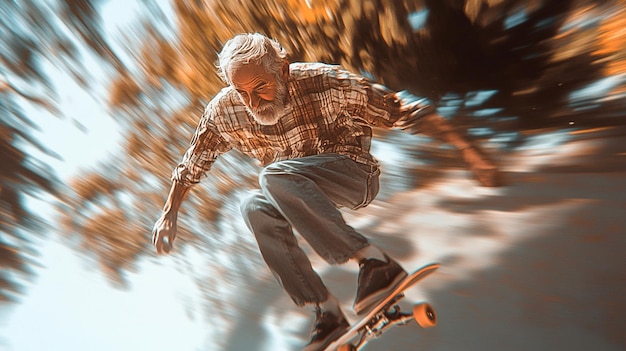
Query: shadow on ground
[[538, 264], [559, 285]]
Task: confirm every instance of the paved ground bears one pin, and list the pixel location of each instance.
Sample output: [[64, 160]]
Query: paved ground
[[538, 264]]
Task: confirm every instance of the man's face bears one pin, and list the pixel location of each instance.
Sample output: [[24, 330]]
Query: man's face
[[263, 93]]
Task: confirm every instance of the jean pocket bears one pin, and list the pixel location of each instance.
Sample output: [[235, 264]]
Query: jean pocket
[[372, 184]]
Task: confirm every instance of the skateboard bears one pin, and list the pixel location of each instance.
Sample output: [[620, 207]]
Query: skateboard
[[386, 314]]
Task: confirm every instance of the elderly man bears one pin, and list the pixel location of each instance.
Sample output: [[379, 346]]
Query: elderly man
[[310, 125]]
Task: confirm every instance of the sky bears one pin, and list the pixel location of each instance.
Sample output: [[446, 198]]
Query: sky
[[71, 306]]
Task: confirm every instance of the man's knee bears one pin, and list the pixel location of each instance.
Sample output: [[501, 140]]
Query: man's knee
[[281, 178], [252, 203], [273, 170]]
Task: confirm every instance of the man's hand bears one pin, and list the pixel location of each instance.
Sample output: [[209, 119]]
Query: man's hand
[[435, 126], [164, 233], [484, 170]]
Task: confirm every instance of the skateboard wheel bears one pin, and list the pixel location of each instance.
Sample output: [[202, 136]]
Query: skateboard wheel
[[424, 315], [346, 347]]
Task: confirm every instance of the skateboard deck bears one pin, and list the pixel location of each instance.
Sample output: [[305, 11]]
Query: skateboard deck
[[387, 314]]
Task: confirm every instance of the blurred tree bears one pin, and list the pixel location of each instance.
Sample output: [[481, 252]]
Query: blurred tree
[[31, 35], [448, 50], [436, 48]]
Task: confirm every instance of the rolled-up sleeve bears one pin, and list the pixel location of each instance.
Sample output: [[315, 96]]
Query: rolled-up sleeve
[[206, 146], [389, 109]]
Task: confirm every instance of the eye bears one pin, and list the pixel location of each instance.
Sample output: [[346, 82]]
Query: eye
[[262, 88]]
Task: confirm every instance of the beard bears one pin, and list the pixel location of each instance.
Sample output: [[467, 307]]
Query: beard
[[269, 112]]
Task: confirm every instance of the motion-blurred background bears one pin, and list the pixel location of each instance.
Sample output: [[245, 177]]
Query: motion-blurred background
[[99, 99]]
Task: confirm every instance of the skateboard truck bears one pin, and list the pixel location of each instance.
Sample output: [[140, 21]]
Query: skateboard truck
[[387, 314], [423, 314]]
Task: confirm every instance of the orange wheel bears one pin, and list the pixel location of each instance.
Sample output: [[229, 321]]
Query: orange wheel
[[346, 347], [424, 315]]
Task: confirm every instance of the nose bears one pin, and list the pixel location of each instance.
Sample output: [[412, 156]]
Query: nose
[[254, 100]]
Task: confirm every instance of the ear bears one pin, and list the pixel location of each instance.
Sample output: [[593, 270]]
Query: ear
[[284, 70]]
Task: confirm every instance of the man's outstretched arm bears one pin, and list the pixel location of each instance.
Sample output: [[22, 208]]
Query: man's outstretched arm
[[164, 231], [416, 115], [205, 147], [485, 171]]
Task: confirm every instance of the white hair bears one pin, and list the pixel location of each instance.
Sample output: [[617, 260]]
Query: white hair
[[247, 48]]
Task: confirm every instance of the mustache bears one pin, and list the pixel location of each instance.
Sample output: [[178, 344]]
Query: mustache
[[269, 112], [264, 106]]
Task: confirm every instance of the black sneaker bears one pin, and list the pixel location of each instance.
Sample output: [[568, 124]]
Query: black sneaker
[[328, 327], [376, 279]]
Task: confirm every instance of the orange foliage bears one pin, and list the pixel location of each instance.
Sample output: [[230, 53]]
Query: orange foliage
[[612, 39]]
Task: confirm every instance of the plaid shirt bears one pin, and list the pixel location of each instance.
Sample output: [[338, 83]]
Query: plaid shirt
[[330, 110]]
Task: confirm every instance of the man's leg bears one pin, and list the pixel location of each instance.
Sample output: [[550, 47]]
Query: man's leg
[[304, 194], [308, 191], [292, 268], [280, 250]]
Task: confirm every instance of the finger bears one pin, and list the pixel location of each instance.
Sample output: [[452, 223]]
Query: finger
[[156, 230], [158, 242], [158, 245], [169, 238], [154, 236], [155, 239], [482, 176], [485, 179], [166, 245], [489, 177]]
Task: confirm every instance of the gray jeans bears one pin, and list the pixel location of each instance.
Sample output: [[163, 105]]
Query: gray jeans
[[304, 194]]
